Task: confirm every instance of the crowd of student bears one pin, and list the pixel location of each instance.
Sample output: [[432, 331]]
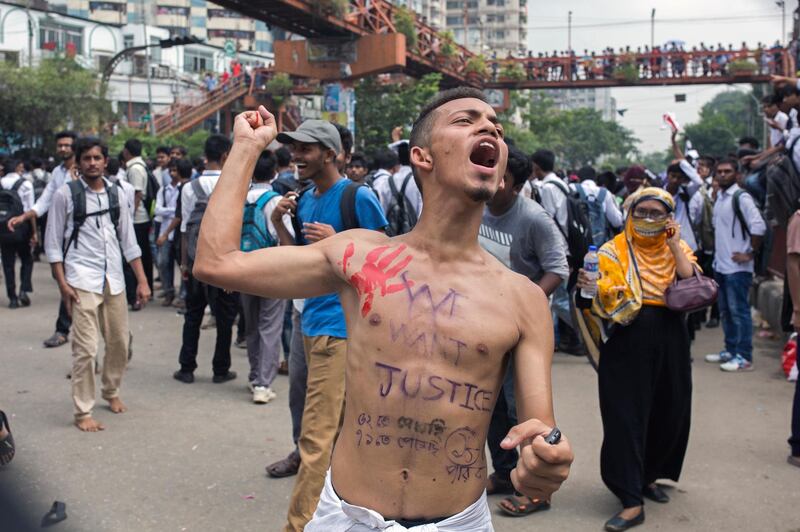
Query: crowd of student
[[105, 223], [671, 60]]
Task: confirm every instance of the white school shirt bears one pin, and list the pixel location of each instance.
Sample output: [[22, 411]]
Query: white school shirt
[[728, 235], [554, 200], [166, 202], [208, 180], [58, 177], [25, 190], [384, 189], [255, 192], [776, 136], [610, 207], [96, 258]]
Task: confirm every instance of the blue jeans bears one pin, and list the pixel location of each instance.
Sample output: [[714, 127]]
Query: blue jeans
[[166, 268], [734, 312]]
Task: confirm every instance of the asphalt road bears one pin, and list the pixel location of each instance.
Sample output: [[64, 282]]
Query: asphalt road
[[192, 457]]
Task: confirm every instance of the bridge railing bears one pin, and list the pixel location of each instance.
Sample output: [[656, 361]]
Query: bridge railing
[[634, 67]]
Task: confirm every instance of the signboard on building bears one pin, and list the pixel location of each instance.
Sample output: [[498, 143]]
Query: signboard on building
[[230, 48]]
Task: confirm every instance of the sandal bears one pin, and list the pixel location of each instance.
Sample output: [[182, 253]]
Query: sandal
[[56, 340], [286, 467], [498, 486], [57, 513], [523, 508], [7, 449]]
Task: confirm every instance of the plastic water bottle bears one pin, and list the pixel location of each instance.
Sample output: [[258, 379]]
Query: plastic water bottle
[[591, 264]]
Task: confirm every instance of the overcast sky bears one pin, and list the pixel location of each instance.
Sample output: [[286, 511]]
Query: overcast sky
[[597, 24]]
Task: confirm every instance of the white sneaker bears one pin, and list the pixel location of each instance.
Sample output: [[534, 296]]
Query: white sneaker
[[717, 358], [263, 395], [250, 387], [737, 364]]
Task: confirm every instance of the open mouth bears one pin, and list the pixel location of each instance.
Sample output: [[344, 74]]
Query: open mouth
[[484, 153]]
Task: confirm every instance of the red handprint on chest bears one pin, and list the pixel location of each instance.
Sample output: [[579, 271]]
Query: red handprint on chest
[[381, 265]]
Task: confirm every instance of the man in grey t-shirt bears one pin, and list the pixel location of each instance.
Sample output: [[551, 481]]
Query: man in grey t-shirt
[[524, 237]]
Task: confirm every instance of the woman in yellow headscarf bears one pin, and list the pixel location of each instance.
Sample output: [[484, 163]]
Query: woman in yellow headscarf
[[644, 372]]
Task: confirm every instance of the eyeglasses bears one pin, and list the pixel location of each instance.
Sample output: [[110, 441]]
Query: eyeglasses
[[641, 214]]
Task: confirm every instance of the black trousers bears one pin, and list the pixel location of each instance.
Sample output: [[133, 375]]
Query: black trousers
[[142, 231], [645, 383], [64, 322], [504, 417], [224, 306], [9, 253], [794, 440]]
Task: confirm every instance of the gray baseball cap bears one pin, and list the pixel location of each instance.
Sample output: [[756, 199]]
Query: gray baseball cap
[[314, 132]]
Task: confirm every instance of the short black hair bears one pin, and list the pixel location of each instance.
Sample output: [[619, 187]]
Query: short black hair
[[587, 173], [733, 161], [37, 162], [112, 166], [67, 134], [134, 147], [265, 167], [772, 99], [180, 149], [284, 156], [404, 154], [707, 159], [184, 168], [87, 143], [346, 137], [359, 159], [519, 165], [163, 149], [675, 168], [386, 159], [608, 179], [787, 89], [421, 130], [752, 141], [544, 159], [216, 147]]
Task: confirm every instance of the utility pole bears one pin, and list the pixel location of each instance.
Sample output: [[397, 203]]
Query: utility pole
[[147, 72], [30, 33], [569, 34], [652, 29], [466, 26], [782, 5]]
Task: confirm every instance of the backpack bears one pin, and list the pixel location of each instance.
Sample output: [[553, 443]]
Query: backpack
[[195, 218], [705, 229], [783, 188], [79, 216], [401, 214], [738, 214], [151, 190], [347, 208], [578, 232], [39, 185], [760, 257], [255, 233], [597, 214], [10, 206]]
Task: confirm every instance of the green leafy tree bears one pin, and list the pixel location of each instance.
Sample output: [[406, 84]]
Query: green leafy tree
[[380, 108], [194, 142], [58, 93], [726, 118], [577, 136]]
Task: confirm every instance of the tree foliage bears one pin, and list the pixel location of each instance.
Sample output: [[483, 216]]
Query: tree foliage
[[726, 118], [194, 142], [37, 102], [380, 108], [577, 136]]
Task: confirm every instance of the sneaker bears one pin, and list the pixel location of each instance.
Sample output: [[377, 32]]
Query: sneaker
[[209, 323], [737, 363], [183, 376], [24, 300], [241, 343], [14, 303], [719, 358], [794, 460], [263, 395], [713, 323], [218, 379]]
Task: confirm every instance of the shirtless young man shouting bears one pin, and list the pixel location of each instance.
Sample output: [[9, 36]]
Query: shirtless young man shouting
[[431, 318]]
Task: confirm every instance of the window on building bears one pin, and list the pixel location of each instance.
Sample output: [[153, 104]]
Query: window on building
[[177, 31], [492, 18], [496, 3], [155, 51], [172, 10], [223, 13], [108, 6], [11, 58], [54, 36], [127, 41], [231, 34], [454, 4], [454, 20], [197, 61]]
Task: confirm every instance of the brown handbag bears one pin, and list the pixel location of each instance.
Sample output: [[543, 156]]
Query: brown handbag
[[691, 294]]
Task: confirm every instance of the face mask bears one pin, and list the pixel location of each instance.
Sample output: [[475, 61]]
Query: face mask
[[648, 227]]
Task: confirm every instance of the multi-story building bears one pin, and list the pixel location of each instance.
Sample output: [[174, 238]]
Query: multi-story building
[[202, 19], [599, 99], [430, 11], [488, 26]]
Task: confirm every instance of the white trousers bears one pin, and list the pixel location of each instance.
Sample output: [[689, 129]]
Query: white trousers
[[335, 515]]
